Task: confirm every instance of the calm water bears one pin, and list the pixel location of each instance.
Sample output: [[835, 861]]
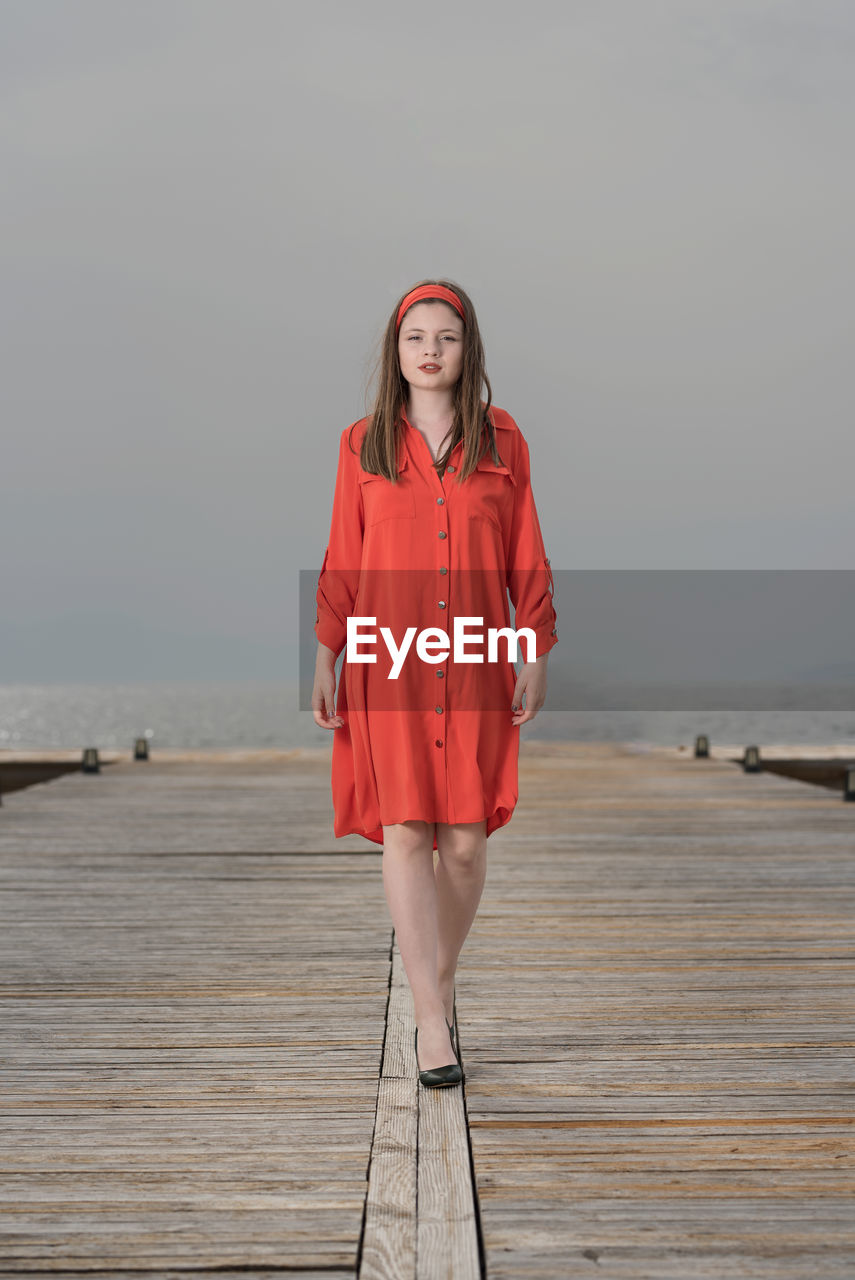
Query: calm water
[[111, 716]]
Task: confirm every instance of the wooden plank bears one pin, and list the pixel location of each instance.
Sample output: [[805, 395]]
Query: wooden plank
[[447, 1240], [420, 1215], [447, 1230], [389, 1237], [196, 803], [655, 1004], [190, 1044]]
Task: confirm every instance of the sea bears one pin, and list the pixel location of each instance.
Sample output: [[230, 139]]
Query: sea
[[258, 715]]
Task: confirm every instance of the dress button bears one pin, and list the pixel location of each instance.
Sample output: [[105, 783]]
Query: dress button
[[438, 710], [450, 470], [440, 674], [442, 570], [440, 501], [439, 742], [443, 534], [441, 604]]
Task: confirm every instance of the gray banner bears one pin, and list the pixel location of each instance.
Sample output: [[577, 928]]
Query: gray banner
[[642, 639]]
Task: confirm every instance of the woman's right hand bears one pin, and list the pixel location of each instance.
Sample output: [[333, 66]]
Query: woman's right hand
[[323, 691]]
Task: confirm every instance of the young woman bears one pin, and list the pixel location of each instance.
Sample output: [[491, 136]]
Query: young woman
[[433, 520]]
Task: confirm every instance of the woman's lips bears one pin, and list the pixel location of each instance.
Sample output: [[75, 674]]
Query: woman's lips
[[430, 368]]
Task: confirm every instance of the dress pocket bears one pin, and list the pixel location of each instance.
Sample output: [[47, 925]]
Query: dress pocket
[[492, 493], [383, 500]]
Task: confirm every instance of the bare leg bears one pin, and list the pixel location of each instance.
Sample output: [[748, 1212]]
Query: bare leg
[[460, 874], [408, 880]]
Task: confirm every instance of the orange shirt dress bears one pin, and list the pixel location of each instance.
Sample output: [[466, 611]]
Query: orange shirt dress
[[436, 743]]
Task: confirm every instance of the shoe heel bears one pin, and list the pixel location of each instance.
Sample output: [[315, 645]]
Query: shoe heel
[[438, 1077]]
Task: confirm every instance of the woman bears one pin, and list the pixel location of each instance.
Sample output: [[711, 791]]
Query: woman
[[433, 521]]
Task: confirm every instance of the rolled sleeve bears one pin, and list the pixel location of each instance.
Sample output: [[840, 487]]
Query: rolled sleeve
[[529, 574], [338, 581]]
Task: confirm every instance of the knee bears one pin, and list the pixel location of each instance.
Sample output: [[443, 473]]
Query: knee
[[409, 837], [463, 851]]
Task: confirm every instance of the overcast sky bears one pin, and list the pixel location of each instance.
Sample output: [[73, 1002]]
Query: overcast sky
[[210, 206]]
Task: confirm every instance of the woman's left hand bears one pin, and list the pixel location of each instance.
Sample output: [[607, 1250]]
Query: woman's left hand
[[531, 681]]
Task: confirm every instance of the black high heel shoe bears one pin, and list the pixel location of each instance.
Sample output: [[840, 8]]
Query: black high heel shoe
[[455, 1044], [452, 1024], [436, 1077]]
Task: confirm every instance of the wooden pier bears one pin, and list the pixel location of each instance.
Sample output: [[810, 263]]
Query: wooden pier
[[207, 1055]]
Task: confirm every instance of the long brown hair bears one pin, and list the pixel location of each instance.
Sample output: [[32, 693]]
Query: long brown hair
[[472, 422]]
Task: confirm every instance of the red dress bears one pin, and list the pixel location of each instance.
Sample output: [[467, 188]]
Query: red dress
[[437, 742]]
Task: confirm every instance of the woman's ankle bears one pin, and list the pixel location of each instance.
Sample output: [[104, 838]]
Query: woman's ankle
[[428, 1011], [446, 991]]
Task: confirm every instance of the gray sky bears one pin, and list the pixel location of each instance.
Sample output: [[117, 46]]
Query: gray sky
[[210, 207]]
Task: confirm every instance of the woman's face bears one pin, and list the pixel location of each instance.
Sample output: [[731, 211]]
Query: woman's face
[[430, 346]]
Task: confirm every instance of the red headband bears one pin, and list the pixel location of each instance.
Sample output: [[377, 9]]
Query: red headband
[[425, 291]]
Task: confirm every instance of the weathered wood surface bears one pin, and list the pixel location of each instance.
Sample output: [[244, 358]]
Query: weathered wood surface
[[656, 1015], [420, 1216], [192, 802], [191, 1022]]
